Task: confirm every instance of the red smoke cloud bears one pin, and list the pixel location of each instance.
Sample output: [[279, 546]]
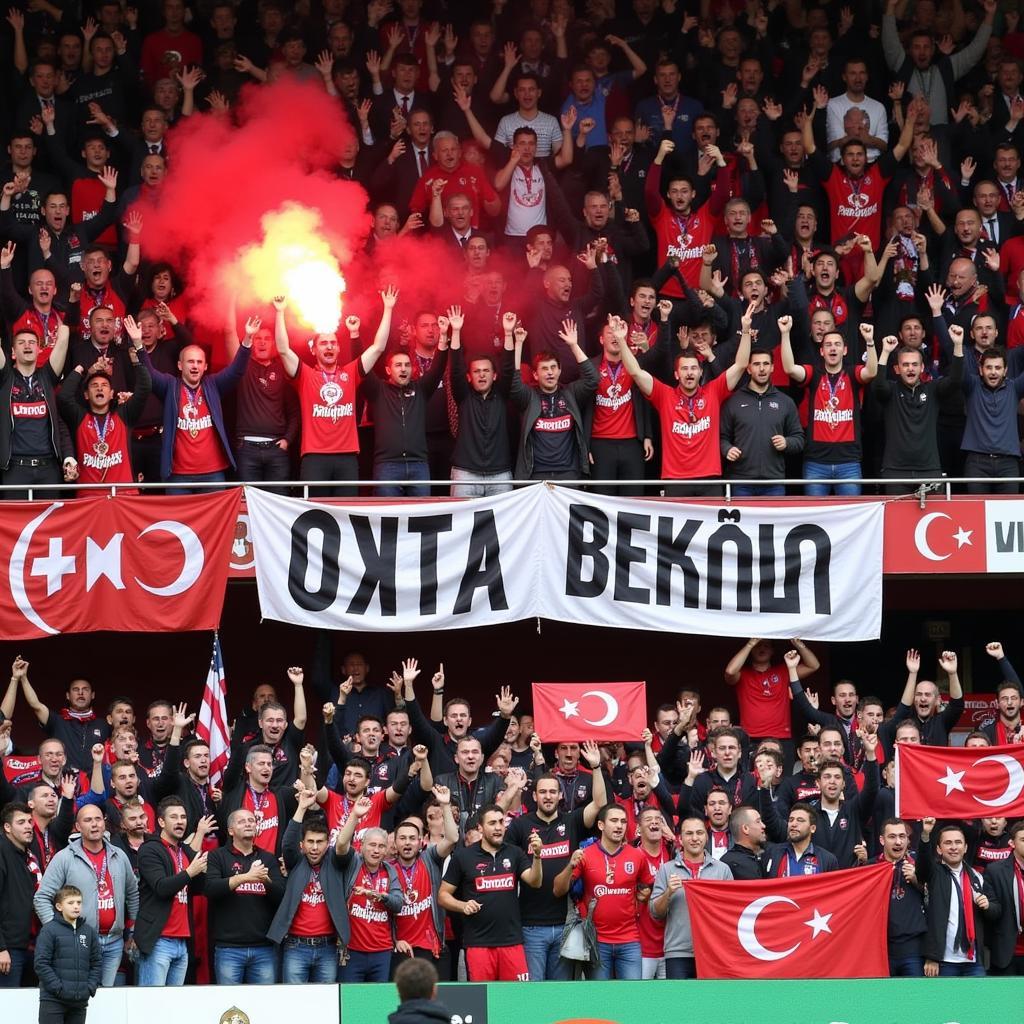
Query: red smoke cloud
[[279, 155]]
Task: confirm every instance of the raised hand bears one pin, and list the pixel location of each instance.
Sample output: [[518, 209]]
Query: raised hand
[[913, 661], [568, 333]]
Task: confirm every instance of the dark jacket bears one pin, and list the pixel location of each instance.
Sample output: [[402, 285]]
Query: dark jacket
[[482, 443], [775, 855], [992, 416], [855, 811], [241, 918], [745, 865], [421, 1011], [911, 419], [176, 781], [749, 422], [168, 389], [69, 961], [576, 394], [934, 730], [1001, 889], [18, 885], [332, 882], [439, 744], [60, 436], [400, 413], [159, 884], [468, 799]]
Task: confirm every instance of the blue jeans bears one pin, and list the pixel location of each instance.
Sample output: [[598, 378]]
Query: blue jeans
[[541, 944], [948, 970], [400, 473], [680, 968], [112, 947], [303, 964], [366, 966], [906, 967], [621, 961], [755, 491], [245, 965], [832, 471], [176, 480], [12, 979], [166, 965]]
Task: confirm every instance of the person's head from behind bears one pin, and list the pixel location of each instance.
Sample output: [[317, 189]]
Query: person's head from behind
[[416, 979]]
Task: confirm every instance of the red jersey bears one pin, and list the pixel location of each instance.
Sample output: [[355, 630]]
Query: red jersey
[[337, 808], [689, 429], [613, 404], [652, 932], [763, 698], [312, 916], [833, 415], [369, 919], [104, 889], [101, 446], [177, 926], [197, 448], [268, 818], [328, 404], [613, 879], [856, 204], [415, 921], [467, 179], [44, 324]]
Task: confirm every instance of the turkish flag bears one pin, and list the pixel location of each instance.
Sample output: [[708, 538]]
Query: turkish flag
[[134, 564], [949, 538], [808, 926], [959, 782], [570, 712]]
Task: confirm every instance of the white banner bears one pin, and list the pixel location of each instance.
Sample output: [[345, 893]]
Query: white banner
[[798, 570]]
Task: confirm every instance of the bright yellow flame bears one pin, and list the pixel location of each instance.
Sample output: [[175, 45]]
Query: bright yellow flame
[[295, 260]]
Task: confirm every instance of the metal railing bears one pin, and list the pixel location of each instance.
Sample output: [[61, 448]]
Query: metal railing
[[939, 487]]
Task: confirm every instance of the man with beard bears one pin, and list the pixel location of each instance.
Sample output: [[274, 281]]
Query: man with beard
[[76, 724], [798, 855], [543, 913], [420, 923], [921, 702], [270, 805], [906, 927], [841, 814], [20, 875], [1007, 727]]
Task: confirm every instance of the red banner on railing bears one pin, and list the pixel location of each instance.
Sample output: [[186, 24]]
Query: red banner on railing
[[133, 564]]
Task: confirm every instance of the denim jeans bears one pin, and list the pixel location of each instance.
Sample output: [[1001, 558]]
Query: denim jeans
[[828, 472], [401, 476], [948, 970], [652, 967], [166, 965], [680, 968], [12, 979], [906, 967], [304, 964], [542, 943], [366, 966], [245, 965], [756, 491], [112, 947], [621, 961], [178, 482]]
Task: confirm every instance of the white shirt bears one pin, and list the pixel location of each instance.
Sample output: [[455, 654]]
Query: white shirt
[[549, 131], [526, 201], [949, 954], [836, 111]]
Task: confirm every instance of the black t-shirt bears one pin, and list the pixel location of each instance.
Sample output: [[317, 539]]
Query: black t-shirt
[[540, 907], [33, 434], [262, 394], [493, 881], [554, 437]]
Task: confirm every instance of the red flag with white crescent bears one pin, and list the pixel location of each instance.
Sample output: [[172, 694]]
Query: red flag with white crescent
[[959, 782], [831, 925], [569, 712], [132, 563]]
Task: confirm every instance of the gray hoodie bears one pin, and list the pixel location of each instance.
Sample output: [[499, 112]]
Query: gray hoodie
[[678, 936]]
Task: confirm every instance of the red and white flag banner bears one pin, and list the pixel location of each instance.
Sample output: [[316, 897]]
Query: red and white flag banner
[[959, 782], [570, 712], [131, 564], [831, 925]]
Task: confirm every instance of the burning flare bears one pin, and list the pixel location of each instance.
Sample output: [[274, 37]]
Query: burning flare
[[295, 260]]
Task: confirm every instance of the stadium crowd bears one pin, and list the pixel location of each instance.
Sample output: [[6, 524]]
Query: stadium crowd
[[687, 242], [410, 834]]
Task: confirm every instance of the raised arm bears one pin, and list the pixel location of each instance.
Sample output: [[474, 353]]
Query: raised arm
[[284, 349], [739, 366], [39, 709], [738, 660], [791, 367], [643, 380], [380, 340]]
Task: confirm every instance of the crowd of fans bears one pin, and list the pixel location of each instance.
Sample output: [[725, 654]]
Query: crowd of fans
[[406, 834], [689, 242]]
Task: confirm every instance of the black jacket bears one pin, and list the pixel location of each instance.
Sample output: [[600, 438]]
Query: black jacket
[[441, 746], [421, 1011], [934, 730], [18, 885], [400, 413], [745, 865], [60, 436], [1004, 930], [69, 961], [159, 884], [855, 811], [749, 422], [232, 800], [482, 444]]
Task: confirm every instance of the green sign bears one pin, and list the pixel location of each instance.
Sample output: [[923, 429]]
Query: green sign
[[881, 1001]]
